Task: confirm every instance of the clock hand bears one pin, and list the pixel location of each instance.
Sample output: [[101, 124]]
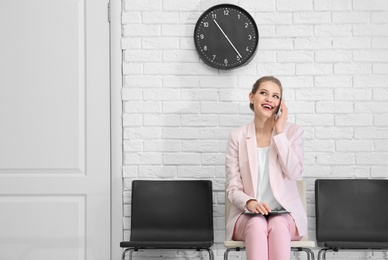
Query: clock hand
[[219, 27]]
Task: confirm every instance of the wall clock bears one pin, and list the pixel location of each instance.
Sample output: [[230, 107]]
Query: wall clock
[[226, 37]]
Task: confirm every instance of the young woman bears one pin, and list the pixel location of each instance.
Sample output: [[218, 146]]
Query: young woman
[[263, 161]]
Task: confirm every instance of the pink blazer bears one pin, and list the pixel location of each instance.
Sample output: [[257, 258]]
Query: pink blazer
[[285, 167]]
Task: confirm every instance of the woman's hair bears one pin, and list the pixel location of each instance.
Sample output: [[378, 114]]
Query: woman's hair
[[264, 79]]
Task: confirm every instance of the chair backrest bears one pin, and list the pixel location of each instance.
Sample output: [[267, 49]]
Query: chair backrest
[[178, 210], [351, 210], [302, 193]]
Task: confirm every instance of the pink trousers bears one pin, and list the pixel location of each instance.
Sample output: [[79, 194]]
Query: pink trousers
[[266, 239]]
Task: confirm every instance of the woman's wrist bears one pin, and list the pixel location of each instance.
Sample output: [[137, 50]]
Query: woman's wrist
[[278, 131], [251, 200]]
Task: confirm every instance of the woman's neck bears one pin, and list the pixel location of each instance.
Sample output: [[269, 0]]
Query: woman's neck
[[263, 130], [264, 126]]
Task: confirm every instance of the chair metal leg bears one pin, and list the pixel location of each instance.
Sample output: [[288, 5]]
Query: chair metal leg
[[211, 255], [308, 251], [130, 253], [322, 253], [226, 253], [210, 252], [237, 249]]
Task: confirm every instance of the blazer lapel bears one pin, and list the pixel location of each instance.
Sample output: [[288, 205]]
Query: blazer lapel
[[251, 145], [272, 165]]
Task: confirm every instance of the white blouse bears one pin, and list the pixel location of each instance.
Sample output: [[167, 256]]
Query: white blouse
[[264, 190]]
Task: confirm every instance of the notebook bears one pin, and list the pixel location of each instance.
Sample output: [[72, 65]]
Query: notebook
[[273, 212]]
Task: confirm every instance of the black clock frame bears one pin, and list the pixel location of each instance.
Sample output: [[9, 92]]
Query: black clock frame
[[225, 37]]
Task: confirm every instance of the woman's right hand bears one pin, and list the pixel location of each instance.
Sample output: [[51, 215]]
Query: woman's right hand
[[282, 119], [258, 207]]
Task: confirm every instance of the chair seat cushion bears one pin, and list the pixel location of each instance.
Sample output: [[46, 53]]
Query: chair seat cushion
[[167, 244], [354, 245], [234, 243]]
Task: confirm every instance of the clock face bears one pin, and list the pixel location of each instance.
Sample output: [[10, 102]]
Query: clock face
[[226, 37]]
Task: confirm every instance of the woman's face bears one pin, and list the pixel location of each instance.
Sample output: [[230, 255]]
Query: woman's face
[[266, 100]]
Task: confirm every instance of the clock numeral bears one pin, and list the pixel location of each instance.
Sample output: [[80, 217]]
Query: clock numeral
[[226, 62], [214, 16], [201, 36], [246, 25], [239, 16], [205, 48], [238, 58], [226, 12], [247, 49], [214, 57], [205, 24], [249, 37]]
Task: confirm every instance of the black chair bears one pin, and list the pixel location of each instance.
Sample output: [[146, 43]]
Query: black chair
[[351, 215], [171, 215]]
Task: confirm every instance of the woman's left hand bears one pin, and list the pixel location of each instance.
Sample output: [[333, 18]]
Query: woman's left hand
[[282, 119]]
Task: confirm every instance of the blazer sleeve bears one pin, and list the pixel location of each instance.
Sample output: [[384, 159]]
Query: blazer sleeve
[[234, 184], [289, 147]]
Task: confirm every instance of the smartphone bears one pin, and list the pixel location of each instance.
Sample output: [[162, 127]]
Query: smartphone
[[279, 111]]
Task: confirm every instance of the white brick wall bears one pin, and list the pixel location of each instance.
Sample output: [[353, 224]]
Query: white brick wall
[[331, 55]]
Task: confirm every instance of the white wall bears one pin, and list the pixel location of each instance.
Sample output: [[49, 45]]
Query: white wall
[[331, 55]]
